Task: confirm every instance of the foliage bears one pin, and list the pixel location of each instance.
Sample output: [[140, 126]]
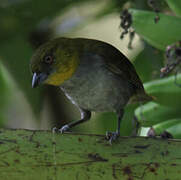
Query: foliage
[[162, 34], [43, 155], [25, 24]]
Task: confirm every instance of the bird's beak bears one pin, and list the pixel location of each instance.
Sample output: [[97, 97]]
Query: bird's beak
[[38, 78]]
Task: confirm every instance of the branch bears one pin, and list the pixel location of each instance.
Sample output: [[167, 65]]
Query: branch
[[26, 154]]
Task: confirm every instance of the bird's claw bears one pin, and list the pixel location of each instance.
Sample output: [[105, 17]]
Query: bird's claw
[[64, 129], [54, 129], [112, 136]]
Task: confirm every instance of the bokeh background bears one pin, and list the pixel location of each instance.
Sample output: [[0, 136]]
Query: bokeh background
[[25, 24]]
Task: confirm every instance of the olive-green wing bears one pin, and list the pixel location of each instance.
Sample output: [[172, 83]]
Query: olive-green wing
[[119, 64]]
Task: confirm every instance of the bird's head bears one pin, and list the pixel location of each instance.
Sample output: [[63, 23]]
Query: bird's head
[[54, 62]]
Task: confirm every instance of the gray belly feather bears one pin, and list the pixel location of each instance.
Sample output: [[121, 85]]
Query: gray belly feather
[[95, 88]]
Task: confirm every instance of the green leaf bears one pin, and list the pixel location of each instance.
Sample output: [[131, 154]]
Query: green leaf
[[108, 121], [152, 113], [148, 63], [175, 6], [128, 123], [4, 95], [23, 17], [161, 34], [18, 20], [42, 155], [165, 91], [16, 57], [173, 126], [3, 86]]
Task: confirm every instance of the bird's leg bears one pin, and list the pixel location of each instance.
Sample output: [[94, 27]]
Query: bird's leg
[[85, 116], [112, 136]]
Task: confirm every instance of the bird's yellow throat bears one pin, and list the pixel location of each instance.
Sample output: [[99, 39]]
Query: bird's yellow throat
[[64, 72]]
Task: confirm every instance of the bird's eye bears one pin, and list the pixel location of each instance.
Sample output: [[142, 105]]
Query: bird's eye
[[48, 59]]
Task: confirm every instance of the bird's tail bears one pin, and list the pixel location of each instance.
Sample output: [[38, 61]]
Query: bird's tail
[[141, 97]]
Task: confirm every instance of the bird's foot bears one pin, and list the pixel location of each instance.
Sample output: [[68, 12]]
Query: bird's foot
[[64, 128], [54, 129], [163, 135], [112, 136], [166, 135]]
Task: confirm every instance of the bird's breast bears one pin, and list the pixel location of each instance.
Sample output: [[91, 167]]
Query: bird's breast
[[95, 88]]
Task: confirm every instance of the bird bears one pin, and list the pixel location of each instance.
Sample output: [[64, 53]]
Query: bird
[[94, 75]]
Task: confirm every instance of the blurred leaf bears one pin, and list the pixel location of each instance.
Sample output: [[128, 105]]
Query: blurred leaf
[[166, 91], [4, 95], [175, 6], [18, 19], [173, 126], [110, 7], [128, 122], [3, 86], [43, 155], [108, 121], [16, 54], [161, 34], [152, 113], [23, 17], [148, 63]]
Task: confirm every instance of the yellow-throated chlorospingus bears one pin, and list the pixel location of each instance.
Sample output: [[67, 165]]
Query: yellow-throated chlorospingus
[[94, 75]]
